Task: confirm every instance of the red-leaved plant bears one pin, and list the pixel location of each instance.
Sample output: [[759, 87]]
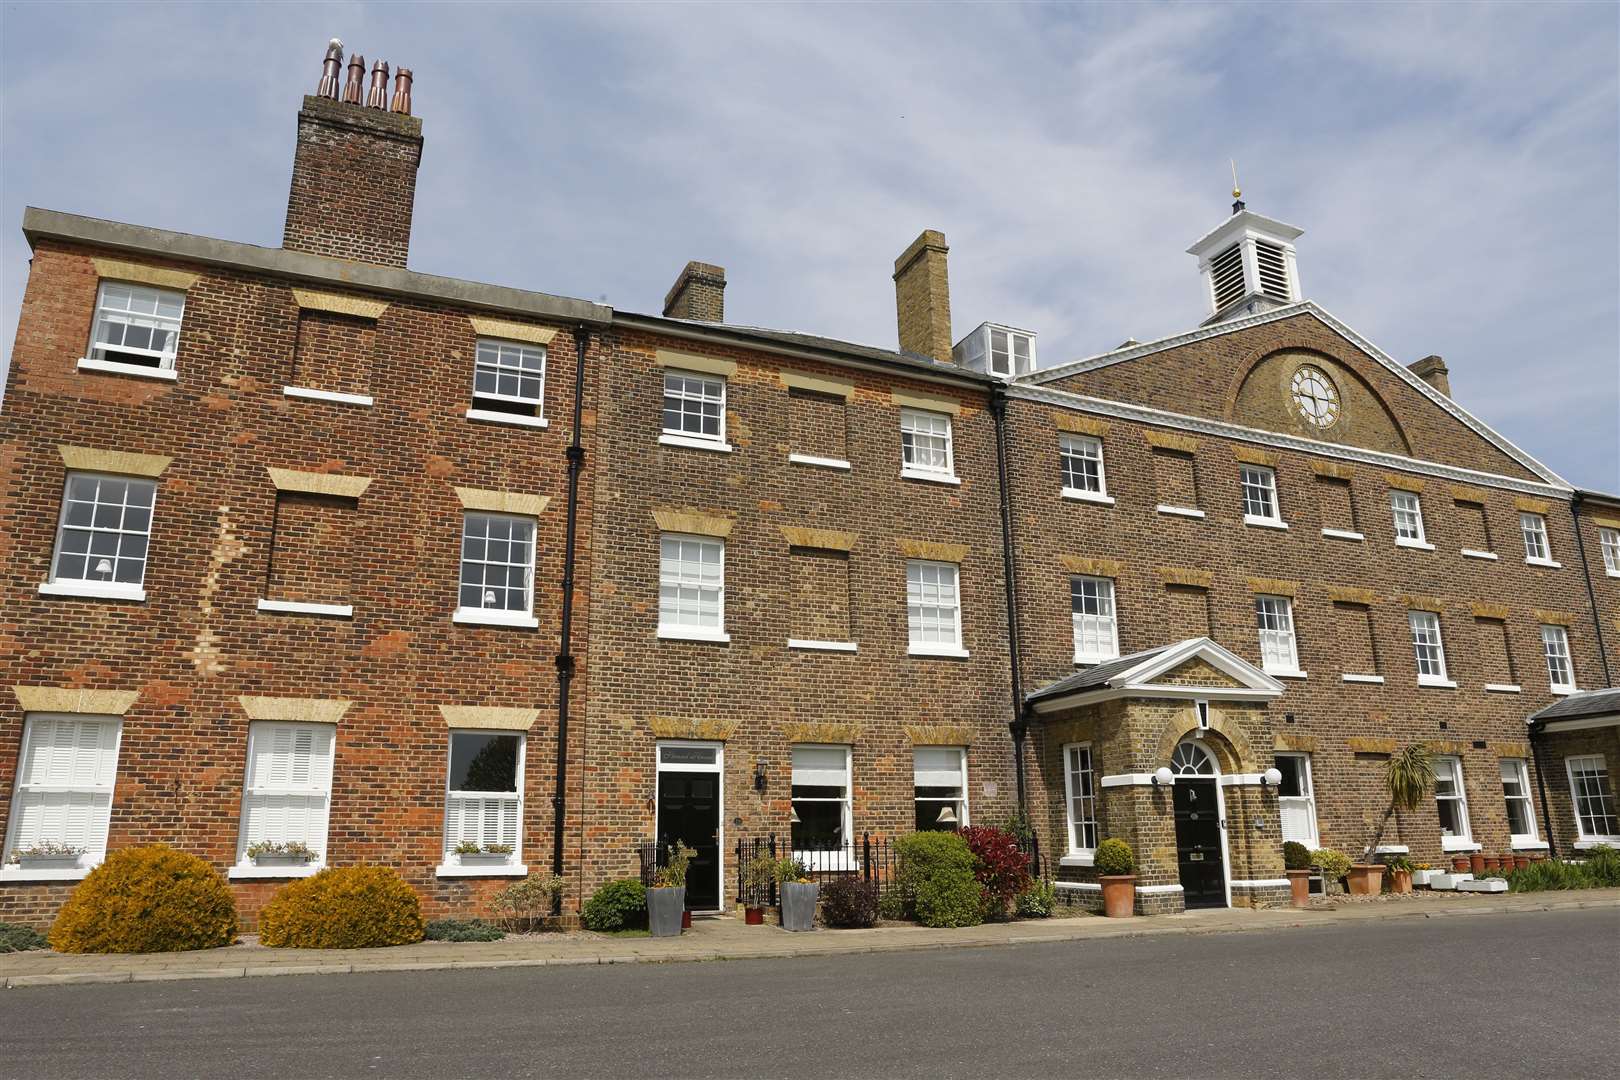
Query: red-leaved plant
[[1002, 870]]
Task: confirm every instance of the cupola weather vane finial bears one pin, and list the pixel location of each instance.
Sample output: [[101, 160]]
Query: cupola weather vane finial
[[1237, 192]]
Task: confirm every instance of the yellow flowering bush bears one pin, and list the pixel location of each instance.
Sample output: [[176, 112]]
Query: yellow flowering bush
[[147, 899], [348, 907]]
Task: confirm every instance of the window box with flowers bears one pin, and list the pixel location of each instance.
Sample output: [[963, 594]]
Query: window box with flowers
[[48, 855], [471, 853], [281, 853]]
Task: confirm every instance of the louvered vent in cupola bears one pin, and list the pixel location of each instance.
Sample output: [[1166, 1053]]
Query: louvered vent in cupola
[[1226, 271], [1273, 269]]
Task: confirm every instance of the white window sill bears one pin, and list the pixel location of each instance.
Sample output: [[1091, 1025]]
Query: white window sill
[[1088, 661], [931, 477], [456, 870], [1611, 573], [1078, 495], [1392, 849], [1343, 534], [1416, 545], [1458, 843], [490, 416], [1488, 556], [937, 650], [298, 607], [1377, 679], [1591, 842], [1179, 511], [1438, 684], [1079, 858], [691, 443], [1526, 843], [1502, 688], [692, 633], [94, 590], [819, 462], [327, 395], [1264, 523], [113, 367], [1564, 691], [14, 872], [249, 872], [1292, 673], [821, 646], [480, 617], [1548, 563]]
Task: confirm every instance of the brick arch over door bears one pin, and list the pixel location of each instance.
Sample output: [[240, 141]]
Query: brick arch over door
[[1260, 396], [1230, 746]]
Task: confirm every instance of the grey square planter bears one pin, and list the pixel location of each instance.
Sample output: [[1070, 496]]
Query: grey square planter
[[664, 908], [799, 906], [48, 862], [484, 858], [281, 860]]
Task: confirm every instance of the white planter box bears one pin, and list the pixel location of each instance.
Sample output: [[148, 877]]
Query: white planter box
[[484, 858], [1423, 877], [1440, 880], [281, 860], [1490, 885]]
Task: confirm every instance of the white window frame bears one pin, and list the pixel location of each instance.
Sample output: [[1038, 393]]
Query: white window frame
[[1603, 795], [94, 358], [1609, 544], [1406, 511], [1425, 624], [1555, 647], [1274, 626], [1537, 547], [1520, 771], [674, 628], [910, 467], [1465, 840], [915, 608], [1259, 485], [1306, 800], [318, 786], [500, 364], [705, 394], [451, 864], [497, 616], [1080, 852], [1101, 626], [95, 797], [107, 588], [847, 858], [1080, 449], [961, 802]]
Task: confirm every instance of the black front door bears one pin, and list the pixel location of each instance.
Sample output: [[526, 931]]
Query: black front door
[[689, 810], [1198, 842]]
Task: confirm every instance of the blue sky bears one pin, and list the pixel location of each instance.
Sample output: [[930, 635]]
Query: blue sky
[[1456, 168]]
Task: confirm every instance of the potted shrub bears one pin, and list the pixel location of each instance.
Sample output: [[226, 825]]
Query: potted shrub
[[280, 853], [757, 880], [799, 893], [1408, 776], [48, 855], [666, 900], [1400, 875], [1116, 872], [1297, 865], [1333, 866], [472, 853]]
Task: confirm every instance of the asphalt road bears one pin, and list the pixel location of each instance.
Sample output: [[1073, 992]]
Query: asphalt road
[[1533, 994]]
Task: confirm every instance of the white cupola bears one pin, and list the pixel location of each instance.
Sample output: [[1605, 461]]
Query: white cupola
[[1248, 264]]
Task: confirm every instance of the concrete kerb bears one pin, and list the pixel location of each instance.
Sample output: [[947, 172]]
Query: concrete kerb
[[181, 967]]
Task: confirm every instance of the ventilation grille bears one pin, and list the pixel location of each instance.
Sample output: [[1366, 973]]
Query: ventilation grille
[[1226, 270], [1273, 270]]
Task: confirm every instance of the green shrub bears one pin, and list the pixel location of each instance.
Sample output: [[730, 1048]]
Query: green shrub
[[950, 897], [462, 930], [618, 905], [1115, 858], [1600, 870], [147, 899], [518, 906], [1296, 856], [345, 907], [891, 905], [1037, 901], [1334, 865], [924, 855], [1603, 863], [848, 902], [14, 938]]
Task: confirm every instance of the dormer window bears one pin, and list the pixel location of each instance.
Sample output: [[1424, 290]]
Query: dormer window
[[1003, 351]]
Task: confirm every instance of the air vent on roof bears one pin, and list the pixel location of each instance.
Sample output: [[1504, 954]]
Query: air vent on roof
[[1273, 268], [1226, 270]]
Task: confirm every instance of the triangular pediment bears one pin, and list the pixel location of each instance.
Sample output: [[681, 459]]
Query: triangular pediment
[[1195, 668]]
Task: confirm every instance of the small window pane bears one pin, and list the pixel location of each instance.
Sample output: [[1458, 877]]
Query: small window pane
[[483, 762]]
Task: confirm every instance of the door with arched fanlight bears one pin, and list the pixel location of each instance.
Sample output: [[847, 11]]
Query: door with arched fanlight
[[1200, 851]]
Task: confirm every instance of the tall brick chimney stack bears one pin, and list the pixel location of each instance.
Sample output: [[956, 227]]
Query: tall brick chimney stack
[[699, 293], [922, 297], [354, 171], [1433, 370]]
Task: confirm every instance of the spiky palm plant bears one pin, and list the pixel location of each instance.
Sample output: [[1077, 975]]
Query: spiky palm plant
[[1408, 777]]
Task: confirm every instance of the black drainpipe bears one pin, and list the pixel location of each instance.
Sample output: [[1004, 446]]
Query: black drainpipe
[[1541, 787], [565, 654], [1019, 726], [1591, 594]]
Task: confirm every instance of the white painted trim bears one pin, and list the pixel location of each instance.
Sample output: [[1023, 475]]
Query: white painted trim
[[1536, 560], [937, 650], [1259, 883], [931, 477], [1295, 674], [490, 416], [1343, 534], [249, 872], [1470, 553], [1376, 679], [1126, 779], [298, 607], [1086, 858], [456, 870], [1524, 843], [1137, 681], [113, 367], [327, 395], [1079, 495], [1449, 843], [690, 443], [821, 646], [819, 462], [1162, 888], [1415, 545], [1582, 724], [1597, 841], [1179, 511], [97, 590], [1077, 886], [1565, 691], [1502, 688], [1249, 779], [15, 873], [1265, 523], [485, 617], [688, 633], [1392, 849], [1430, 682]]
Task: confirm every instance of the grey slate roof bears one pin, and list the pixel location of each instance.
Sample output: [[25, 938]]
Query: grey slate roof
[[1576, 706], [1093, 677]]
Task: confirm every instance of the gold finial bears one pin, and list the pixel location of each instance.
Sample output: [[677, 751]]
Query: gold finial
[[1237, 192]]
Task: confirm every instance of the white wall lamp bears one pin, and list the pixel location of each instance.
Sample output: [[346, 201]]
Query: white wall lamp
[[1272, 777], [1163, 777]]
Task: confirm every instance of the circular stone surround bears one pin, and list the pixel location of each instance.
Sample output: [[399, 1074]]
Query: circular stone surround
[[1315, 397]]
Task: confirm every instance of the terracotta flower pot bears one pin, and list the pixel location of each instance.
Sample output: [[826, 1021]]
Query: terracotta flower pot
[[1459, 864], [1493, 862], [754, 916], [1366, 879], [1119, 895], [686, 920], [1400, 882], [1299, 886], [1510, 862], [1476, 863]]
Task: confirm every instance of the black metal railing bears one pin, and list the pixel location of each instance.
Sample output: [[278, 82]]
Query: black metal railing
[[871, 858]]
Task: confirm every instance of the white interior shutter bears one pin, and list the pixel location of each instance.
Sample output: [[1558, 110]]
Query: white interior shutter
[[937, 766], [820, 766]]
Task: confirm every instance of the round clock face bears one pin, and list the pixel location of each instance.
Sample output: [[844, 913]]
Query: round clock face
[[1315, 397]]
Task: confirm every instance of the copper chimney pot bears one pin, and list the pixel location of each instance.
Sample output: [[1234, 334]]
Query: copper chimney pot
[[330, 70], [402, 92], [354, 88], [377, 97]]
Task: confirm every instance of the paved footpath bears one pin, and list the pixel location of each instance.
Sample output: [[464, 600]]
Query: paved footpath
[[729, 939]]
